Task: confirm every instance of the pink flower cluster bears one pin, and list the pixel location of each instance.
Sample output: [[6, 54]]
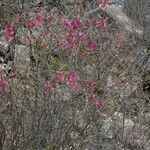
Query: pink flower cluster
[[8, 33], [59, 76], [91, 45], [71, 79], [117, 37], [99, 22], [3, 82], [9, 104], [74, 36], [102, 2], [95, 102], [71, 39], [72, 24], [47, 85], [37, 20], [90, 84]]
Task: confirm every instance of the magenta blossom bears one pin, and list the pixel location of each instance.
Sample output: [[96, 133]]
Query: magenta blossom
[[102, 2], [103, 23], [75, 23], [49, 16], [37, 20], [17, 17], [97, 103], [29, 23], [117, 37], [9, 104], [60, 42], [91, 44], [3, 82], [89, 84], [71, 38], [81, 36], [59, 76], [26, 40], [8, 33], [9, 28], [47, 85], [71, 79], [65, 22], [72, 24], [99, 22]]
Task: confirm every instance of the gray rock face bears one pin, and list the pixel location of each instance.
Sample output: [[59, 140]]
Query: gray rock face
[[119, 128], [22, 59]]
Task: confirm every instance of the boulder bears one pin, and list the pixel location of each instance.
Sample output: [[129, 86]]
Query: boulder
[[22, 59]]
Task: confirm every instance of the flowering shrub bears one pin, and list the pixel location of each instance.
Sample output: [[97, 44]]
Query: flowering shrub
[[8, 33], [90, 84], [3, 82], [68, 92]]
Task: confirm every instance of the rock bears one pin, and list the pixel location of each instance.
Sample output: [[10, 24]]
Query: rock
[[3, 67], [128, 126], [90, 70], [22, 59], [74, 135], [147, 118], [114, 125], [117, 116], [127, 89], [147, 145], [106, 128]]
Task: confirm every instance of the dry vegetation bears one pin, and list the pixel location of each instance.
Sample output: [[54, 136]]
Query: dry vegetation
[[68, 82]]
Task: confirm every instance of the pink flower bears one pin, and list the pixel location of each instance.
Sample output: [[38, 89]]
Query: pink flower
[[43, 13], [97, 103], [47, 85], [37, 20], [60, 42], [8, 33], [65, 22], [71, 79], [59, 76], [9, 104], [117, 37], [17, 17], [27, 40], [9, 28], [102, 2], [99, 22], [75, 23], [49, 16], [6, 37], [91, 45], [3, 82], [94, 21], [71, 38], [82, 36], [13, 74], [103, 23], [90, 84], [29, 23]]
